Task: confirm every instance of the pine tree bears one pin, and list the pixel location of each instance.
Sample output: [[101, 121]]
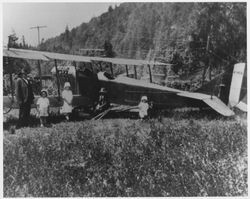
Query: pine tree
[[66, 34], [108, 49]]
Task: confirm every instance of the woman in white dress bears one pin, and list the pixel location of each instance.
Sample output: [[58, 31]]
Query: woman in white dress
[[67, 96]]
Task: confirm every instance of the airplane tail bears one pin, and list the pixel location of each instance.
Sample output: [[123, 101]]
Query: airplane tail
[[238, 88], [230, 87]]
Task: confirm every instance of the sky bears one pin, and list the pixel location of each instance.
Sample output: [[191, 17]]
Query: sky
[[20, 17]]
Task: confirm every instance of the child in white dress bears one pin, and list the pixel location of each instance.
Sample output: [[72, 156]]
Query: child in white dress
[[67, 96], [43, 107], [143, 107]]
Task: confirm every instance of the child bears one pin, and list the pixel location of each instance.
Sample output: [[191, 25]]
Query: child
[[143, 107], [43, 107], [67, 96]]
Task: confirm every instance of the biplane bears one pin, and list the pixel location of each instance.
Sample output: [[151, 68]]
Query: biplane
[[125, 89]]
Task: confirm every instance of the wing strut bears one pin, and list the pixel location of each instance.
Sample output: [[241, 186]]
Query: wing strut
[[135, 72], [57, 80], [126, 69], [100, 64], [76, 79], [111, 69], [150, 74], [39, 73]]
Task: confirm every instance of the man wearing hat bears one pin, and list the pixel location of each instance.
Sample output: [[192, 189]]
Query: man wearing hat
[[103, 102], [24, 97]]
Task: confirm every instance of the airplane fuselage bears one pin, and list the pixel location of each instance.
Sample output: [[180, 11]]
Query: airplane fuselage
[[129, 91]]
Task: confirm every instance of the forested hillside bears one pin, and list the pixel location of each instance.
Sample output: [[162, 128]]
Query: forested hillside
[[156, 30]]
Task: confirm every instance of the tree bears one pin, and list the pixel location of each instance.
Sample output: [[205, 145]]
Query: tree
[[176, 61], [12, 43], [23, 42], [66, 34], [108, 49], [225, 25], [145, 38], [67, 40], [217, 38], [110, 9]]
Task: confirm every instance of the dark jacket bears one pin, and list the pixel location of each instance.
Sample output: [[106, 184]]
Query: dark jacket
[[23, 91]]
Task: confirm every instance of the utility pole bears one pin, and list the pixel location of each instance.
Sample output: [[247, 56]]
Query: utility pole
[[209, 61], [38, 30], [207, 50], [209, 64]]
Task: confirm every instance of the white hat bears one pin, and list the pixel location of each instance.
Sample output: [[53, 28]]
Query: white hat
[[103, 90], [144, 98], [66, 84]]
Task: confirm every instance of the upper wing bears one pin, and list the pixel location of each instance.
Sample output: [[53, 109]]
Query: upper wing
[[214, 102], [66, 57], [41, 55], [24, 54]]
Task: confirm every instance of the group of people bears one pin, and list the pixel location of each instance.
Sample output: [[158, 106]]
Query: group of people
[[43, 104], [25, 98]]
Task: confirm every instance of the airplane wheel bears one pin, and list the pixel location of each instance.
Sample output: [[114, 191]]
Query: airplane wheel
[[8, 109]]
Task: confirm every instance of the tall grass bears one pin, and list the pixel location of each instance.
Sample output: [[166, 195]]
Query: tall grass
[[171, 157]]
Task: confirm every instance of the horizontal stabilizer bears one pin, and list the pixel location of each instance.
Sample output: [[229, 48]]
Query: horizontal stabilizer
[[242, 106], [214, 102], [219, 106], [199, 96]]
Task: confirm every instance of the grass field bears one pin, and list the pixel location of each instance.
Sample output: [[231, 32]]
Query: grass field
[[174, 156]]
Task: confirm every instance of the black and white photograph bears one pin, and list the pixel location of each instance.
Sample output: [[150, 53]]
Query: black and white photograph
[[124, 99]]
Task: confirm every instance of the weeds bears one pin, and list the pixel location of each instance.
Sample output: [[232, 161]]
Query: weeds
[[128, 158]]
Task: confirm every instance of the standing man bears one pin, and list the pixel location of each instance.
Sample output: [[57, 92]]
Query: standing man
[[24, 97]]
